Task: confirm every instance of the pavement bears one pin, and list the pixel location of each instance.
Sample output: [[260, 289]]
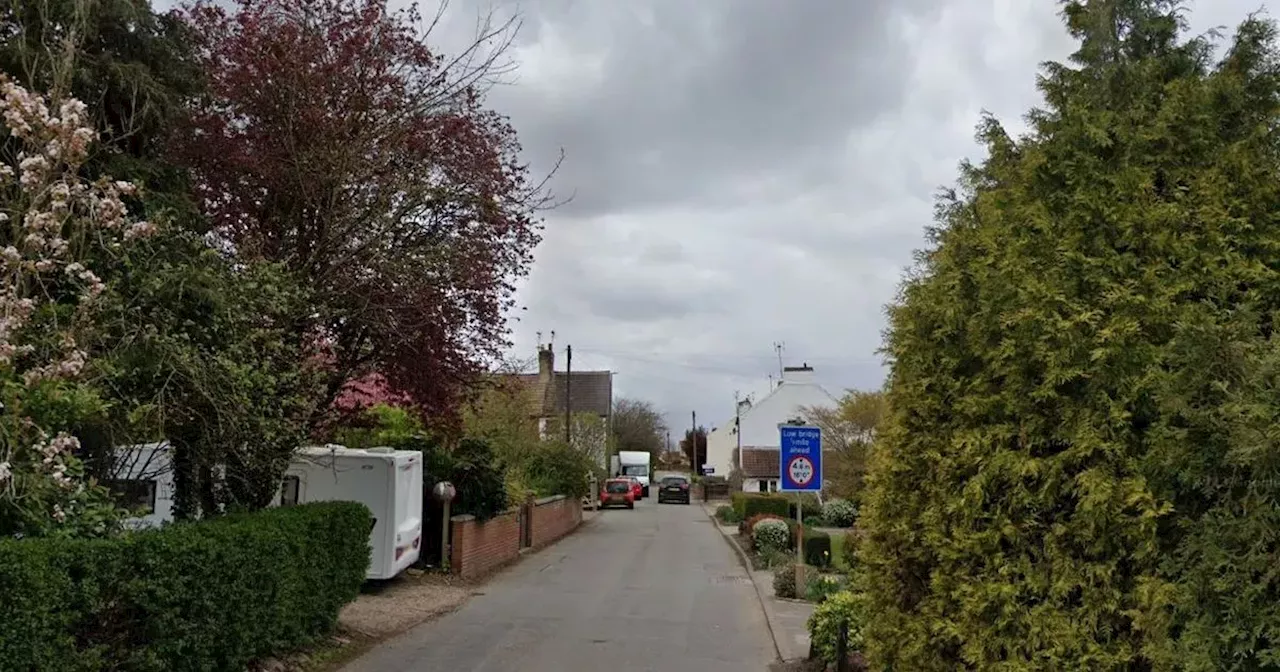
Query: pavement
[[787, 618], [654, 588]]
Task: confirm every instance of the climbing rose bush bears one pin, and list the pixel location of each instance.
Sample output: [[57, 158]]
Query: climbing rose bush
[[52, 224]]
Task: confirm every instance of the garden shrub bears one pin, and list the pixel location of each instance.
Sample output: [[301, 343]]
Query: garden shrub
[[199, 597], [817, 548], [819, 587], [784, 580], [754, 504], [848, 549], [839, 513], [739, 502], [846, 606], [727, 514], [770, 534], [747, 527], [808, 500], [771, 558]]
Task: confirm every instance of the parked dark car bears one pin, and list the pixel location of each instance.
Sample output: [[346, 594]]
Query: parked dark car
[[617, 492], [674, 489]]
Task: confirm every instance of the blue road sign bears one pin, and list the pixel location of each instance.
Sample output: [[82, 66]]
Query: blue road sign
[[801, 459]]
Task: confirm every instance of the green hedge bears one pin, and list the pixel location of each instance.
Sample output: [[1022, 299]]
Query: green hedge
[[199, 597], [753, 504]]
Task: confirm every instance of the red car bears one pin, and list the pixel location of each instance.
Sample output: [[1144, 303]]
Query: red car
[[618, 492], [637, 488]]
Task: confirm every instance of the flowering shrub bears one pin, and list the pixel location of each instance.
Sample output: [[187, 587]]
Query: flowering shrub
[[52, 223], [839, 513], [771, 534]]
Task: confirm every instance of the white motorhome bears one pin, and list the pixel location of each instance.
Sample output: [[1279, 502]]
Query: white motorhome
[[142, 476], [387, 481], [635, 463]]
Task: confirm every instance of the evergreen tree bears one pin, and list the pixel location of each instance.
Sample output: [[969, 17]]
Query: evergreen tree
[[1083, 392]]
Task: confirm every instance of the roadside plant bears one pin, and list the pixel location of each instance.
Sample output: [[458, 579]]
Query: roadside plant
[[820, 587], [771, 558], [846, 606], [53, 225], [770, 534], [726, 514], [839, 513]]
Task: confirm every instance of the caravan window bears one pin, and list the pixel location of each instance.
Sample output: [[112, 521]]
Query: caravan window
[[289, 491], [134, 494]]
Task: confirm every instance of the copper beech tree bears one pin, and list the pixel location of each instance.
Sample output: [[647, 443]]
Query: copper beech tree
[[334, 139]]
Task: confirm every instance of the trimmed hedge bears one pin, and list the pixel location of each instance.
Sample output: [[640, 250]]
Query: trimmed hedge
[[198, 597], [817, 548]]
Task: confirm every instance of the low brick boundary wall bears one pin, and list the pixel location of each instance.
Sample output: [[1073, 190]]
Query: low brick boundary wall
[[478, 548], [554, 517]]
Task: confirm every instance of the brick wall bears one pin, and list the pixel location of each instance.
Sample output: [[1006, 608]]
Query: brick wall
[[478, 548], [555, 517]]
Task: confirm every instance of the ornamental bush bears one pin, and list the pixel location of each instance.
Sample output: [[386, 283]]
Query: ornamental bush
[[754, 504], [817, 548], [848, 606], [770, 534], [784, 580], [212, 595], [747, 527], [839, 513]]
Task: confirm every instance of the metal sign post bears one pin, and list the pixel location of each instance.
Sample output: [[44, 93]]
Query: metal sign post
[[799, 471]]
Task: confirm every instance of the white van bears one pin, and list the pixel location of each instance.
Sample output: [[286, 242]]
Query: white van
[[387, 481]]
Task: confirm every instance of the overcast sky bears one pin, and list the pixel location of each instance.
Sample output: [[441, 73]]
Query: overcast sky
[[747, 172]]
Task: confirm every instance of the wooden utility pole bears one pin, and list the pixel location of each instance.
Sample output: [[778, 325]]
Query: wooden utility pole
[[568, 397], [693, 446]]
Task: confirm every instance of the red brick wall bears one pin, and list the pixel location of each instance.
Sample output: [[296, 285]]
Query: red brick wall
[[554, 519], [479, 548]]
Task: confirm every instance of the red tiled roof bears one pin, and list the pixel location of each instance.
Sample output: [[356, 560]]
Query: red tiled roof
[[760, 462]]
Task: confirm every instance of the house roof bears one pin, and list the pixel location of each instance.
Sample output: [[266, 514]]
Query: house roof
[[591, 391], [760, 462]]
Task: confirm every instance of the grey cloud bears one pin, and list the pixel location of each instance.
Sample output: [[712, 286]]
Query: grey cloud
[[711, 92]]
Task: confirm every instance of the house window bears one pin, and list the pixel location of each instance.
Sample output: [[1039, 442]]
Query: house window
[[289, 491], [768, 485], [135, 494], [762, 486]]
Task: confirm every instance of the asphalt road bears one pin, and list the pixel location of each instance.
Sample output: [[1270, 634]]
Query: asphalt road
[[654, 588]]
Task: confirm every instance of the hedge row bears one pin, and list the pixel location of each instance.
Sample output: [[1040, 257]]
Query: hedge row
[[206, 597]]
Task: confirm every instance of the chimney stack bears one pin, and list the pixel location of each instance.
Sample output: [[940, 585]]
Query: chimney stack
[[546, 363], [798, 374]]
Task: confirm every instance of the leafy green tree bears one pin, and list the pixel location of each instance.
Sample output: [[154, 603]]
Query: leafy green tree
[[848, 430], [1075, 470]]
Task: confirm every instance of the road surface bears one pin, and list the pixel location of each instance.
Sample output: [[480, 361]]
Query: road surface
[[655, 588]]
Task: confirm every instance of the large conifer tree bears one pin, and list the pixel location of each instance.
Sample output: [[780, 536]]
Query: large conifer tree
[[1080, 469]]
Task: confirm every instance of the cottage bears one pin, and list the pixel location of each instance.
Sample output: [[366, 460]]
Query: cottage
[[749, 440]]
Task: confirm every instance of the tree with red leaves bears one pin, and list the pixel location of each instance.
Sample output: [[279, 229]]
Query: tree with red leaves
[[333, 139]]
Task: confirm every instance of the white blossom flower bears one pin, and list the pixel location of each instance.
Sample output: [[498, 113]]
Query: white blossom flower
[[58, 514], [139, 230]]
